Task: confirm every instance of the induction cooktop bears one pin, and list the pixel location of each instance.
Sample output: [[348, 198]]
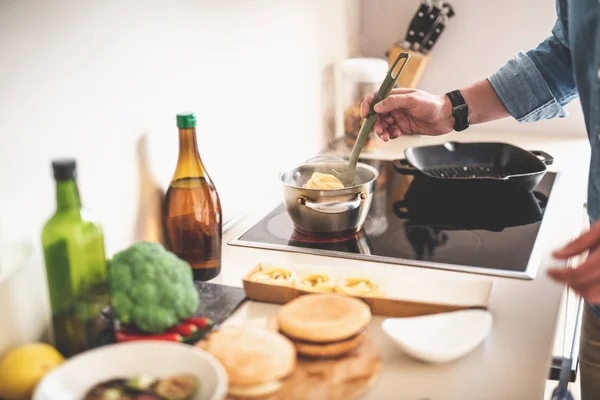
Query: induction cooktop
[[420, 221]]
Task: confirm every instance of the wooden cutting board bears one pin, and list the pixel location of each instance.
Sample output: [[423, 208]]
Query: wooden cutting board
[[344, 378], [339, 379], [149, 226]]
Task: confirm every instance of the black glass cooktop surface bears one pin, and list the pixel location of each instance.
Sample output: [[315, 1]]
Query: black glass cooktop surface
[[421, 221]]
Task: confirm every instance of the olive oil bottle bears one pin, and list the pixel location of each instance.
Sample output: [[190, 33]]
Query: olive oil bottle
[[192, 213], [73, 243]]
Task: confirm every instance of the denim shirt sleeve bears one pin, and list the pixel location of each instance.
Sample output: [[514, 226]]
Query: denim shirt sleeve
[[537, 84]]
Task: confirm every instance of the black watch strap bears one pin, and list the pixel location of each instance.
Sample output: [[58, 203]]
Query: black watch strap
[[460, 110]]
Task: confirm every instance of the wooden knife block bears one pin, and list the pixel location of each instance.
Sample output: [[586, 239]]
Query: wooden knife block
[[413, 71]]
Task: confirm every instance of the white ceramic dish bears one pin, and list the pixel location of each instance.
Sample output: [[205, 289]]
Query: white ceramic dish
[[73, 378], [439, 338]]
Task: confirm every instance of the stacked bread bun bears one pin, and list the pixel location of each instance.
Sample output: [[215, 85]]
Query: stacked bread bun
[[258, 360], [324, 325]]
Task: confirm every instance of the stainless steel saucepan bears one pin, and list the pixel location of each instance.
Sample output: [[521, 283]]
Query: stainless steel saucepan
[[328, 212]]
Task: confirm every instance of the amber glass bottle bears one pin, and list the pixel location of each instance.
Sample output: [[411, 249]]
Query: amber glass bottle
[[192, 209]]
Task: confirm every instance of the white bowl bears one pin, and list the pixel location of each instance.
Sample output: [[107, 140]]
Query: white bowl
[[440, 338], [72, 379]]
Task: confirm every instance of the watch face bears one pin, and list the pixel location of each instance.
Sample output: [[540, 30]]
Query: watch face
[[461, 117]]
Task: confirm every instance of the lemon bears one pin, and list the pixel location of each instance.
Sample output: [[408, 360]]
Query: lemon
[[24, 367]]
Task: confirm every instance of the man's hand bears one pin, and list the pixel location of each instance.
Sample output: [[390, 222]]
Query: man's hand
[[585, 278], [410, 111]]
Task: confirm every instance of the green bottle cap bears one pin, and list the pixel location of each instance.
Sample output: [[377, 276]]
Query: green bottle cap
[[186, 120]]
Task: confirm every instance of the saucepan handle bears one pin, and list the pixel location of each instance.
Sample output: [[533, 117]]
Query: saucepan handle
[[543, 156], [404, 167], [332, 207]]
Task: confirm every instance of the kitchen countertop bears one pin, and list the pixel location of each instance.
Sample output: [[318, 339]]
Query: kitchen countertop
[[514, 361]]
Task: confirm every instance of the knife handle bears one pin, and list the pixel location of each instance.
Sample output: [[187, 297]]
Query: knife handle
[[416, 25], [435, 34], [430, 21]]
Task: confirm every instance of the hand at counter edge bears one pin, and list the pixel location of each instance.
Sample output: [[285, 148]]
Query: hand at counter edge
[[584, 278]]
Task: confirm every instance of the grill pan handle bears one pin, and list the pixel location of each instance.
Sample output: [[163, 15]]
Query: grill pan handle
[[400, 209], [404, 167], [543, 156]]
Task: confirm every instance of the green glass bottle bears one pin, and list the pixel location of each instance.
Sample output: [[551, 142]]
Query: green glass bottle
[[76, 270]]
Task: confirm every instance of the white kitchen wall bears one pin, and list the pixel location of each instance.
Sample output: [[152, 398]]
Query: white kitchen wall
[[87, 78], [478, 40]]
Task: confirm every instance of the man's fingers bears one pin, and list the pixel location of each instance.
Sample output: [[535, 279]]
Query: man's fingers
[[587, 271], [394, 131], [366, 105], [582, 275], [584, 242], [402, 90], [394, 102], [377, 127], [559, 274], [589, 291]]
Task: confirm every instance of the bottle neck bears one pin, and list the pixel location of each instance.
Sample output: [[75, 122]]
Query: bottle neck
[[189, 163], [67, 195]]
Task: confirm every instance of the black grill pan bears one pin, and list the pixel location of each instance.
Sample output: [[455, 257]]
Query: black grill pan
[[499, 163]]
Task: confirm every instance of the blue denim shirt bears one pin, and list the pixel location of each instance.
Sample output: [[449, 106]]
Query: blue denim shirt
[[537, 84]]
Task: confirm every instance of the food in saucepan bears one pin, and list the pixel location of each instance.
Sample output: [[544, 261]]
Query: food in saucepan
[[322, 181], [178, 387], [324, 325], [257, 360]]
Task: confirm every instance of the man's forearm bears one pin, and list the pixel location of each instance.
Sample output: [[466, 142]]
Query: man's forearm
[[483, 102]]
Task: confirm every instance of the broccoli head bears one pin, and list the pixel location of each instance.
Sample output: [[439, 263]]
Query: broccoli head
[[151, 287]]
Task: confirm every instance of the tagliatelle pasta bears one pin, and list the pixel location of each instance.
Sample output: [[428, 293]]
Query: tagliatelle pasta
[[278, 276], [322, 181], [317, 282], [357, 287]]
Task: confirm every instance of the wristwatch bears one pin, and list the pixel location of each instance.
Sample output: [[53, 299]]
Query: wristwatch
[[460, 110]]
